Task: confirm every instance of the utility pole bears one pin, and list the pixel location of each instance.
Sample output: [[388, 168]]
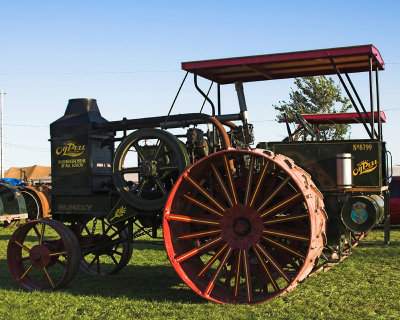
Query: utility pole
[[2, 93]]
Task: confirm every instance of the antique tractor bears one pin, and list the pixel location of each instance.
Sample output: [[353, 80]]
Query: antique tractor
[[12, 205], [240, 225]]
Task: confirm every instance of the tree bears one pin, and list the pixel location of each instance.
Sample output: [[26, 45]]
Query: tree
[[316, 95]]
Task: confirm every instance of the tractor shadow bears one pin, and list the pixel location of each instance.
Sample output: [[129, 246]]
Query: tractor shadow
[[149, 283]]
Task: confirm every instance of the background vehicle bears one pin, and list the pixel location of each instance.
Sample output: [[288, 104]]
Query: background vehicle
[[395, 196], [240, 225]]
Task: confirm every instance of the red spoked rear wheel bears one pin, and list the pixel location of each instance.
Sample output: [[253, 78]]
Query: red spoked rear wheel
[[244, 226]]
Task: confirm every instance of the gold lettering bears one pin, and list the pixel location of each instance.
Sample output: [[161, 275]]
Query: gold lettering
[[365, 166], [70, 149]]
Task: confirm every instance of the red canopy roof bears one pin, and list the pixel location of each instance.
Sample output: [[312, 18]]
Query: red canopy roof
[[342, 118], [287, 65]]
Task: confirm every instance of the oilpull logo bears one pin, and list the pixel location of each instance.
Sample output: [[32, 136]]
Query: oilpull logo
[[70, 149], [365, 166]]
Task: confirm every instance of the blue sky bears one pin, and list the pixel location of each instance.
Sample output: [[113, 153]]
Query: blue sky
[[127, 54]]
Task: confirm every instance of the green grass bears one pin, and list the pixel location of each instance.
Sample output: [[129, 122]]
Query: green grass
[[364, 286]]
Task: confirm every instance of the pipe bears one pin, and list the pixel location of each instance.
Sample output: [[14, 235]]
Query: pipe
[[177, 120]]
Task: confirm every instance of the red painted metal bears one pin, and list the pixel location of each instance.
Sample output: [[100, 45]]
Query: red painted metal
[[287, 65], [341, 118], [43, 255], [245, 235]]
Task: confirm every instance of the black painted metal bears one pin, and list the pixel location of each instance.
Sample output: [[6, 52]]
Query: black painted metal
[[387, 217], [219, 98], [318, 158], [360, 102], [81, 162], [176, 96], [174, 121], [378, 105], [204, 95], [208, 92], [371, 97], [350, 96]]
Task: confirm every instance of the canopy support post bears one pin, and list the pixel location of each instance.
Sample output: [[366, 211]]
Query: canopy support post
[[378, 105], [350, 96], [204, 95], [371, 97]]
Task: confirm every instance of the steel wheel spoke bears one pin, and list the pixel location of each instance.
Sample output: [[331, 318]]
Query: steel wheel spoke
[[42, 233], [58, 253], [218, 272], [103, 226], [114, 260], [211, 261], [247, 276], [26, 272], [92, 262], [273, 194], [282, 246], [109, 227], [87, 230], [277, 219], [237, 274], [259, 181], [160, 185], [36, 231], [202, 205], [222, 185], [273, 262], [141, 186], [199, 249], [284, 204], [249, 181], [160, 146], [22, 246], [98, 265], [230, 180], [265, 268], [48, 277], [139, 150], [199, 234], [117, 252], [286, 235], [205, 193], [130, 170], [168, 168], [177, 217]]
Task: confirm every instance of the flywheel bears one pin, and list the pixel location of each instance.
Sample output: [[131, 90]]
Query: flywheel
[[146, 165]]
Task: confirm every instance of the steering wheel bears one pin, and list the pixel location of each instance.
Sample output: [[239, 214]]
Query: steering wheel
[[304, 124]]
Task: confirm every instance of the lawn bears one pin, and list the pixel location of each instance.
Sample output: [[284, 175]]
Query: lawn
[[364, 286]]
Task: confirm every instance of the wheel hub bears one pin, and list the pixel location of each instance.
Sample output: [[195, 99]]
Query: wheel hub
[[241, 227], [148, 168], [39, 256]]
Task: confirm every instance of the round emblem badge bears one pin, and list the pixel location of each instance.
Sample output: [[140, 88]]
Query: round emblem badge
[[359, 212]]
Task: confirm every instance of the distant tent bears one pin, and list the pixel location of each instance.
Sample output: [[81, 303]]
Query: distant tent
[[35, 173]]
